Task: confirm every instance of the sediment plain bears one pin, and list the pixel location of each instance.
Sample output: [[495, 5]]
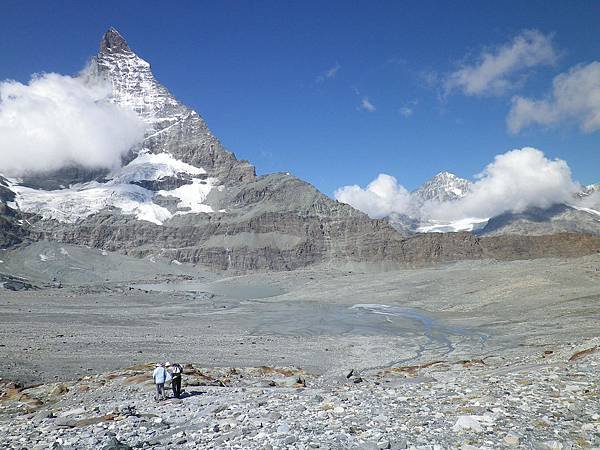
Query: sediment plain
[[479, 354]]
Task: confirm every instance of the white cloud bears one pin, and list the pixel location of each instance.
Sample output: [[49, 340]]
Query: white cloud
[[514, 181], [575, 97], [494, 71], [409, 108], [329, 73], [406, 111], [382, 197], [56, 121], [367, 105]]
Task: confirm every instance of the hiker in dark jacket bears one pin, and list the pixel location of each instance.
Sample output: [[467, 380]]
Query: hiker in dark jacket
[[176, 373]]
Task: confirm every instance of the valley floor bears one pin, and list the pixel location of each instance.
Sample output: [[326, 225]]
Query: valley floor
[[474, 354]]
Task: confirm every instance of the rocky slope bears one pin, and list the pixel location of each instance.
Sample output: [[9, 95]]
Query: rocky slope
[[539, 221], [11, 225], [482, 403]]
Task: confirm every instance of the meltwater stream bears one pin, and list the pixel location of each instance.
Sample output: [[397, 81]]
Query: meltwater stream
[[433, 329]]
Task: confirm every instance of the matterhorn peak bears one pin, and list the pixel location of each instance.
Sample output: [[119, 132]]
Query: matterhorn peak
[[113, 42]]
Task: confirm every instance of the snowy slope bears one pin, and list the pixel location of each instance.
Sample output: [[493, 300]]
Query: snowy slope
[[119, 191]]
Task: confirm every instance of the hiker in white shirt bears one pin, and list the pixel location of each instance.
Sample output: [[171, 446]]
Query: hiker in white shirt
[[160, 376]]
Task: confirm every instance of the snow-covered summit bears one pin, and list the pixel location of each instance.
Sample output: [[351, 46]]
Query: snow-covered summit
[[443, 187], [113, 42], [133, 83], [170, 173]]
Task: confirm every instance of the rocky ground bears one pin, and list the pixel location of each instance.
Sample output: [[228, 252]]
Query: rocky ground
[[549, 400], [467, 355]]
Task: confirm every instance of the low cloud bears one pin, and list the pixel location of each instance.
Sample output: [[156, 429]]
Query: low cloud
[[366, 105], [514, 181], [575, 97], [382, 197], [494, 71], [329, 73], [56, 121]]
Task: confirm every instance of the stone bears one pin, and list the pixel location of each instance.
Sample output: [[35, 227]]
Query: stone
[[283, 428], [114, 444], [469, 423], [511, 439], [72, 412]]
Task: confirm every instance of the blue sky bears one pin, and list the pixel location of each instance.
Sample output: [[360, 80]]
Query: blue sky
[[289, 85]]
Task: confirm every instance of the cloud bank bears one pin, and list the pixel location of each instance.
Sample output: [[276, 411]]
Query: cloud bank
[[56, 121], [575, 97], [514, 181], [382, 197], [494, 71]]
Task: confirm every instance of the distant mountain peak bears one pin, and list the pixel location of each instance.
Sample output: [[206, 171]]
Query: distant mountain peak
[[442, 187], [113, 42]]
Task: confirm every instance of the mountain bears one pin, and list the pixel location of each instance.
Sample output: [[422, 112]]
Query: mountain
[[443, 187], [181, 195], [543, 221], [582, 215], [11, 230]]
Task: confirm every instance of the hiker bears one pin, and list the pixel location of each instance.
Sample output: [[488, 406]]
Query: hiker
[[176, 373], [160, 376]]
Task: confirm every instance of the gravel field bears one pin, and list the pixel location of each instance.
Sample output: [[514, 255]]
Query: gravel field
[[486, 341]]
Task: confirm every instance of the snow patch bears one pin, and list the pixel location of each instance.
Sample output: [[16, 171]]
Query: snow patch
[[154, 166], [466, 224], [587, 210], [191, 196], [79, 201]]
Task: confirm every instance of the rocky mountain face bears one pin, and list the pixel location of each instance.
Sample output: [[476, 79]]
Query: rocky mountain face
[[172, 127], [443, 187], [11, 229], [581, 215], [542, 221], [180, 194]]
